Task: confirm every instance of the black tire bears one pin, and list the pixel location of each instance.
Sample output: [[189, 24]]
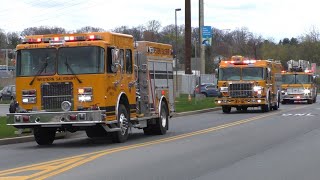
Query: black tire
[[44, 136], [284, 102], [123, 123], [276, 107], [226, 109], [267, 107], [238, 108], [315, 99], [96, 131], [309, 101], [162, 124]]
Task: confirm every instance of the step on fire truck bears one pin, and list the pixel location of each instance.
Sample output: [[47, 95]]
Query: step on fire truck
[[298, 82], [103, 83], [244, 83]]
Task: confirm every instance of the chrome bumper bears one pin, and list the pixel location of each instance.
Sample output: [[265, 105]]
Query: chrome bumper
[[240, 101], [297, 97], [56, 119]]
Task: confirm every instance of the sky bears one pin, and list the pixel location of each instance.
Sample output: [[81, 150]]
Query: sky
[[272, 19]]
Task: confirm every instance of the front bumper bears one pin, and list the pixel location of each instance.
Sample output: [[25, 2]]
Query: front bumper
[[250, 102], [297, 97], [56, 119]]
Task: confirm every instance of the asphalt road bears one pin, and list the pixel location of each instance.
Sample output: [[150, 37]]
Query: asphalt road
[[281, 144], [4, 109]]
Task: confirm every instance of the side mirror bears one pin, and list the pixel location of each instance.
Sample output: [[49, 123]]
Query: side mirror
[[115, 60], [217, 73]]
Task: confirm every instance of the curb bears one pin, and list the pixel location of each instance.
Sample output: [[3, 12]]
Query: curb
[[23, 139], [61, 135], [196, 112]]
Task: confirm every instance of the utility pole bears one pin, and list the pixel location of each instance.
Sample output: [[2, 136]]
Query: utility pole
[[202, 47], [7, 59], [188, 37]]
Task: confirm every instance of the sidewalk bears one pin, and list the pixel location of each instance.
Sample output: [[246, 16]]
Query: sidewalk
[[23, 139]]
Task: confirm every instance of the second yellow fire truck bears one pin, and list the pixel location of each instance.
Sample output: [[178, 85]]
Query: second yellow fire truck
[[247, 83], [298, 83], [103, 83]]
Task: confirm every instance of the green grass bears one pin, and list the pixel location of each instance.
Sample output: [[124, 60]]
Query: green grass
[[183, 104], [6, 131], [5, 102]]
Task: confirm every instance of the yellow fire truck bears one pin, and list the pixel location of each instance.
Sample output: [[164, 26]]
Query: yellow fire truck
[[298, 83], [103, 83], [247, 83]]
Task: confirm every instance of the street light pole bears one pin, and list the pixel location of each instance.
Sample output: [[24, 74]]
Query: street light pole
[[176, 50]]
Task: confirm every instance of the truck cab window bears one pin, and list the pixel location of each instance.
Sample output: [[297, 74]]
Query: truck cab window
[[128, 61]]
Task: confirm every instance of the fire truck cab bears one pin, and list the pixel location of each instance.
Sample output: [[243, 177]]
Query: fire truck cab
[[102, 83], [244, 83]]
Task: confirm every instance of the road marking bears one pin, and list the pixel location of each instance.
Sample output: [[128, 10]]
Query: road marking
[[299, 114], [51, 168]]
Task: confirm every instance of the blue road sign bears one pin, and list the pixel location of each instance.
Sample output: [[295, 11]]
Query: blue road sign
[[206, 35]]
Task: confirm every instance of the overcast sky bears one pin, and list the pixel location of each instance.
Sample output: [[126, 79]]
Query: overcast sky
[[270, 18]]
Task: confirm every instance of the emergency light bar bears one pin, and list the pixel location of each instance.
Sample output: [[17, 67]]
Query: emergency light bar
[[244, 62], [58, 40]]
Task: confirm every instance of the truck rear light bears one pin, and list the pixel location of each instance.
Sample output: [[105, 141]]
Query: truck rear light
[[25, 118], [31, 92], [72, 117]]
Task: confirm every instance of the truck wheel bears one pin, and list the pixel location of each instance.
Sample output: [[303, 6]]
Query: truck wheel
[[96, 131], [309, 101], [226, 109], [315, 99], [238, 108], [123, 123], [162, 124], [276, 107], [44, 136]]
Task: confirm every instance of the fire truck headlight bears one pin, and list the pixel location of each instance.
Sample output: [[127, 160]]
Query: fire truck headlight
[[257, 89], [29, 100], [224, 89], [85, 98], [306, 91]]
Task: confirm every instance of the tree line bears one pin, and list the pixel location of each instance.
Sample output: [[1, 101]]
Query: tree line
[[225, 43]]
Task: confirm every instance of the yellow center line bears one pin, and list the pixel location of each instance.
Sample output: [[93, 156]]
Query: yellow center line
[[65, 165]]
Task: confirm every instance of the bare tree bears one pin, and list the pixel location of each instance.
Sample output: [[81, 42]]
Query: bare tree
[[42, 30], [87, 29], [13, 39]]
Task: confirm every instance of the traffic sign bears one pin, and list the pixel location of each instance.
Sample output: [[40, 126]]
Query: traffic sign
[[206, 35]]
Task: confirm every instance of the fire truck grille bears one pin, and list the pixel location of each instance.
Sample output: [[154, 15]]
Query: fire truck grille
[[240, 90], [53, 94]]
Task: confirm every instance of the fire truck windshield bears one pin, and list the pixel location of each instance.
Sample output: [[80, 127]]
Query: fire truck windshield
[[82, 60], [252, 73], [31, 62], [296, 79], [229, 74], [45, 61], [232, 73]]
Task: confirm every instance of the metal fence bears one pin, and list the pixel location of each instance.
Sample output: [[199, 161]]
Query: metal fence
[[187, 83]]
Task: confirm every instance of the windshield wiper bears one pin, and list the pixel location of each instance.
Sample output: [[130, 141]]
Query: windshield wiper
[[40, 71], [72, 72]]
